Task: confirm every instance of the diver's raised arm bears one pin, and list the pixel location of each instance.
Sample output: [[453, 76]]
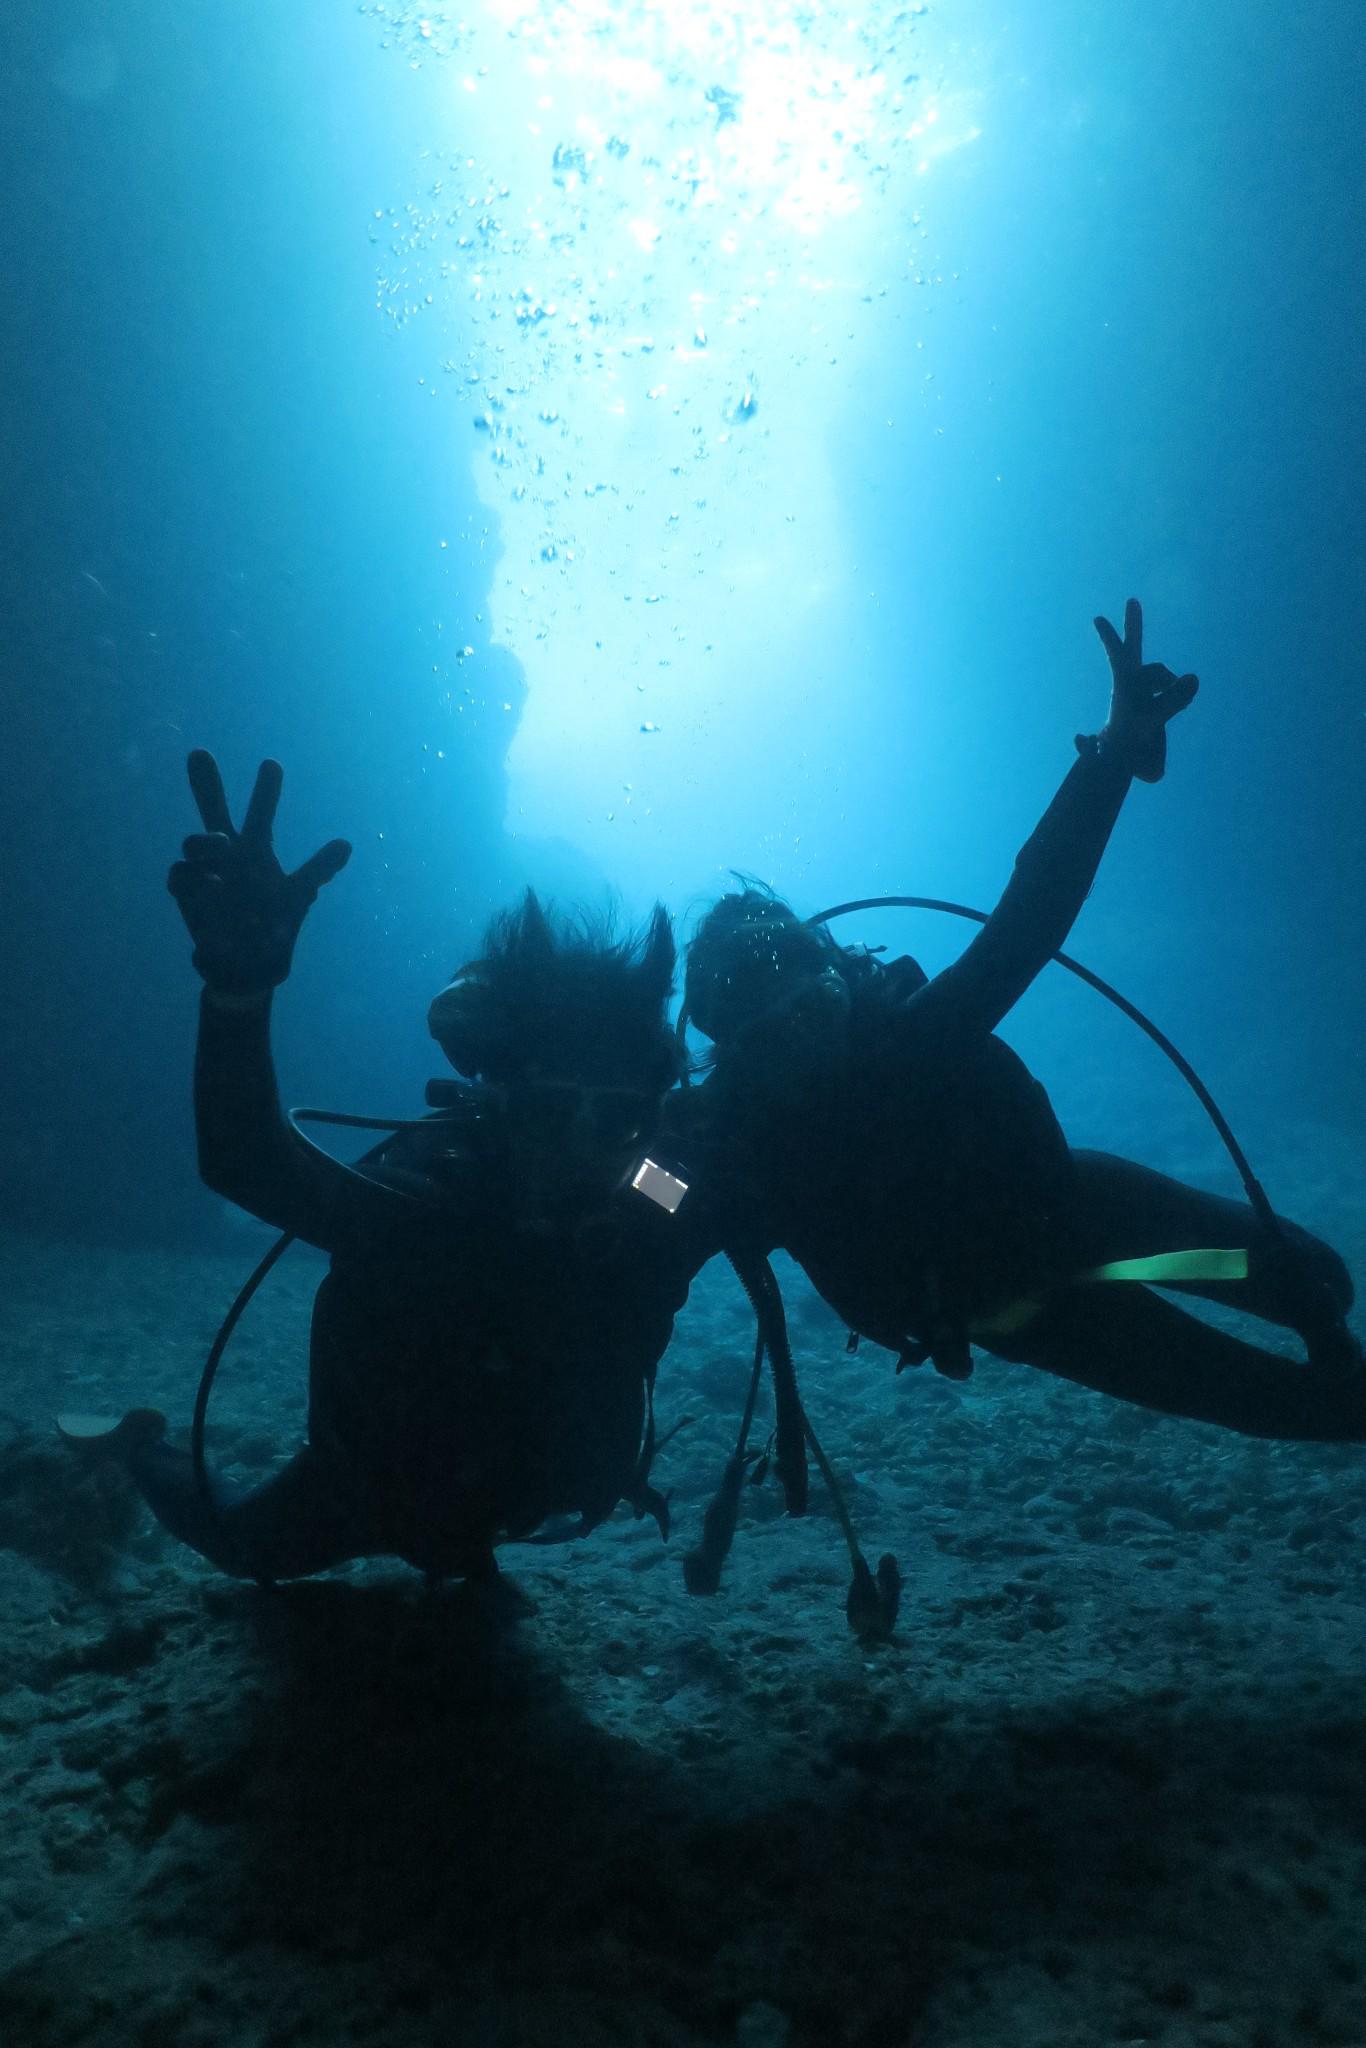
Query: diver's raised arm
[[244, 914], [1056, 866]]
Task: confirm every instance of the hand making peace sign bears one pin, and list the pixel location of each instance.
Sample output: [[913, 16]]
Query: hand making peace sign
[[1144, 696], [242, 910]]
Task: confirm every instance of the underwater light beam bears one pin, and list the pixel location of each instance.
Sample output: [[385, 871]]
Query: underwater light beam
[[669, 221]]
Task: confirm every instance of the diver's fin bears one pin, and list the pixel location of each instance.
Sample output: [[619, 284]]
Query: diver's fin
[[1169, 1269], [1163, 1269], [111, 1436]]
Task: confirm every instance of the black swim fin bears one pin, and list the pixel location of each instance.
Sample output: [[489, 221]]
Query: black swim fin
[[96, 1437]]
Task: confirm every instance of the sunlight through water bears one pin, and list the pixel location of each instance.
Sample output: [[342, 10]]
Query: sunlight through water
[[644, 264]]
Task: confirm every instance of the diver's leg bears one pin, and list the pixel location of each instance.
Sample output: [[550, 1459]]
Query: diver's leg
[[299, 1522], [1127, 1211], [1126, 1341]]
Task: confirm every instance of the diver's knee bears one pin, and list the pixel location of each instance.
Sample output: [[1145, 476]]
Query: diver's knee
[[1330, 1270], [1345, 1292], [1292, 1259]]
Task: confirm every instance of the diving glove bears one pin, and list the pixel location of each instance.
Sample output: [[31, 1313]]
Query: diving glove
[[241, 909]]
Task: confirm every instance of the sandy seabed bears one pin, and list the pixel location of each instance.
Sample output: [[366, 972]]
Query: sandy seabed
[[1106, 1786]]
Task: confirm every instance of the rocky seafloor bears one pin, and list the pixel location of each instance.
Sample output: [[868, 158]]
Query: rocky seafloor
[[1107, 1785]]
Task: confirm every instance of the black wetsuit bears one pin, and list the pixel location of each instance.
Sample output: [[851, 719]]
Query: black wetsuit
[[922, 1181], [471, 1376]]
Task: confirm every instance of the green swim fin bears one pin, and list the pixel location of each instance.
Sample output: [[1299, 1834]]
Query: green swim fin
[[1163, 1269], [1167, 1269]]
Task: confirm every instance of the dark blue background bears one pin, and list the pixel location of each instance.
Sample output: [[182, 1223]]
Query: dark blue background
[[1157, 350]]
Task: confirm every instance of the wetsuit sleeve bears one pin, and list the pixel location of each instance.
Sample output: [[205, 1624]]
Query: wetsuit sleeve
[[251, 1154], [1053, 874]]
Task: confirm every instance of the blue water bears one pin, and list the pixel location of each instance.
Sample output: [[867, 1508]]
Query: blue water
[[608, 448], [616, 457]]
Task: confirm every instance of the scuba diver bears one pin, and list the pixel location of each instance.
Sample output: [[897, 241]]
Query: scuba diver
[[484, 1345], [867, 1120]]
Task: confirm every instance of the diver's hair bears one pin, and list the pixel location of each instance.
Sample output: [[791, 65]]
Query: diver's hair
[[748, 936], [565, 995]]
